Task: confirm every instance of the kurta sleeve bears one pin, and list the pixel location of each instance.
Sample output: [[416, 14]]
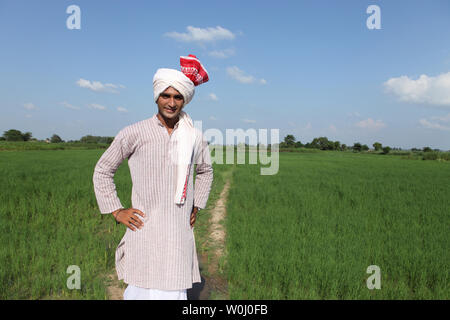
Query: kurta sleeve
[[106, 167], [204, 173]]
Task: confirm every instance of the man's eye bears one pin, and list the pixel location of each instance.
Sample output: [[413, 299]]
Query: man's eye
[[165, 96], [178, 97]]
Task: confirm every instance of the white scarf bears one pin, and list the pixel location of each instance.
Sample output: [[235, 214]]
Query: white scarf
[[184, 138]]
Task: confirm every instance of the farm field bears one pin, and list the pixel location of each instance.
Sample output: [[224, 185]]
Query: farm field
[[312, 230], [308, 232], [50, 221]]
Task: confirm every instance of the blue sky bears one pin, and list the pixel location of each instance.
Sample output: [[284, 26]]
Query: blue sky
[[307, 68]]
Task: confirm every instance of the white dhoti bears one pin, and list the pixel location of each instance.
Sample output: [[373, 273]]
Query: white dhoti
[[137, 293]]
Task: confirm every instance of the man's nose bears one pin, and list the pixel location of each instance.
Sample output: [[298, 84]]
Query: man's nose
[[172, 102]]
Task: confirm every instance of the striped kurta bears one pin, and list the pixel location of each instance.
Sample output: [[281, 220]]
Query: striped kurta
[[161, 255]]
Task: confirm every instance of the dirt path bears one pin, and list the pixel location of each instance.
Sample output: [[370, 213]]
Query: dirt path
[[115, 291], [216, 229], [214, 284]]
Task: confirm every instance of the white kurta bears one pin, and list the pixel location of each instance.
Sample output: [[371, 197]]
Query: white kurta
[[136, 293], [161, 255]]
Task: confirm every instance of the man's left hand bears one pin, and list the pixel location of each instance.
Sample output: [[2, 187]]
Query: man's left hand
[[193, 216]]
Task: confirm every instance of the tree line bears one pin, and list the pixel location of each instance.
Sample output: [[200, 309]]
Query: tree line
[[17, 135], [323, 143]]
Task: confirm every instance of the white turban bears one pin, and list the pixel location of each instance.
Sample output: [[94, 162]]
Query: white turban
[[165, 78]]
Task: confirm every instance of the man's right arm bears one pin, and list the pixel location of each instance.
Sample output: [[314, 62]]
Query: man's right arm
[[106, 167]]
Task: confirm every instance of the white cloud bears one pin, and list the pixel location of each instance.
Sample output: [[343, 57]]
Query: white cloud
[[97, 106], [370, 124], [445, 118], [222, 54], [353, 114], [68, 105], [212, 96], [433, 125], [212, 118], [29, 106], [239, 75], [202, 35], [122, 109], [248, 121], [28, 115], [308, 126], [429, 90], [98, 86], [433, 122]]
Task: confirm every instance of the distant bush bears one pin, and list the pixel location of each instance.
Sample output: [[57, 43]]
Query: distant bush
[[444, 156], [411, 156], [430, 155]]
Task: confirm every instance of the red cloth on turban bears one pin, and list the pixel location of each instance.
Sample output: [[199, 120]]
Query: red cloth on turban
[[193, 69]]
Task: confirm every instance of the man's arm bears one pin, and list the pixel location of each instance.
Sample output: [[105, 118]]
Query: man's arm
[[204, 174], [106, 167]]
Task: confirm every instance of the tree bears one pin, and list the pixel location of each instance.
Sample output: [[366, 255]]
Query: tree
[[298, 144], [289, 140], [386, 150], [343, 147], [88, 139], [14, 135], [322, 143], [337, 145], [26, 136], [55, 139], [364, 147], [377, 146], [357, 146], [427, 149]]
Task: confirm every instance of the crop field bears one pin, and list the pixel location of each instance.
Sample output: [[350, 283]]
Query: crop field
[[308, 232], [312, 230], [50, 221]]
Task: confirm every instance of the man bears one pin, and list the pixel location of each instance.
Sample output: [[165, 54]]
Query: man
[[157, 256]]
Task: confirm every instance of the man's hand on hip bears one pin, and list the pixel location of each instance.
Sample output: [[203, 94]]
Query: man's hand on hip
[[129, 218], [193, 216]]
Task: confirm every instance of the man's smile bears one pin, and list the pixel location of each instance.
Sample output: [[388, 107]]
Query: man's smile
[[170, 110]]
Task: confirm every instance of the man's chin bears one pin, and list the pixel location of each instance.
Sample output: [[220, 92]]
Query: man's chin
[[170, 115]]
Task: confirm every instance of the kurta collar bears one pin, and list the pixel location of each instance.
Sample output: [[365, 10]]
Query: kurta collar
[[156, 119]]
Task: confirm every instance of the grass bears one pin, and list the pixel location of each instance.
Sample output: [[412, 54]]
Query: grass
[[50, 220], [311, 231]]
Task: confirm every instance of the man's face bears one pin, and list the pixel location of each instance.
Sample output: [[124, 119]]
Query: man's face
[[170, 103]]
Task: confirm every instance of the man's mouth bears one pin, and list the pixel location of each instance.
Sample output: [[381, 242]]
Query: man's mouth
[[170, 110]]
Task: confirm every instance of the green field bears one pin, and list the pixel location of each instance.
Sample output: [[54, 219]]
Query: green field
[[308, 232], [311, 231], [49, 220]]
